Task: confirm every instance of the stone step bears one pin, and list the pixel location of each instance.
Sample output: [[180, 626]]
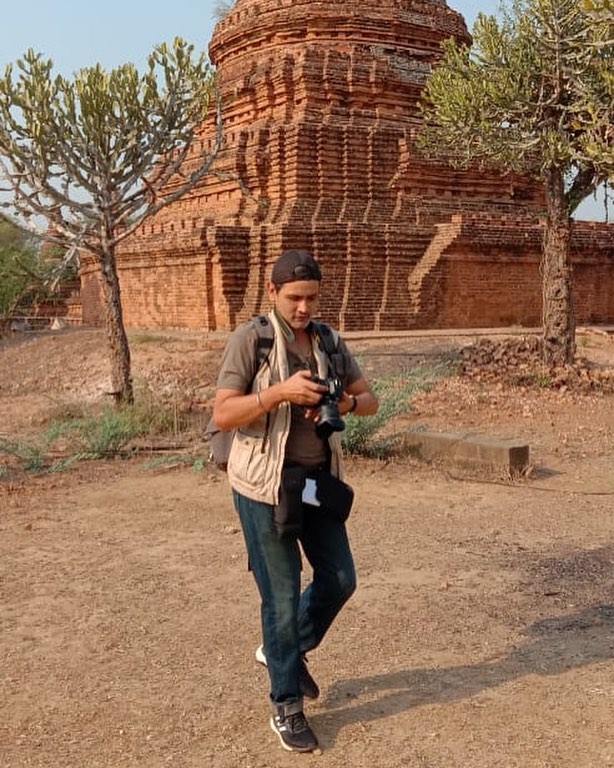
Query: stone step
[[467, 450]]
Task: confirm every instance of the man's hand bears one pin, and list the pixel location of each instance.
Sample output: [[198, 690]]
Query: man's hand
[[301, 390]]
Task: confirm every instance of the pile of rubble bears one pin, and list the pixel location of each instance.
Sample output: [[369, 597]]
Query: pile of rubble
[[517, 362]]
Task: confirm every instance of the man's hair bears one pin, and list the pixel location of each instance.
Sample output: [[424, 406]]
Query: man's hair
[[295, 265]]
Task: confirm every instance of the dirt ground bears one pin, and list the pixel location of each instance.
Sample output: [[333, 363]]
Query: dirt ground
[[481, 634]]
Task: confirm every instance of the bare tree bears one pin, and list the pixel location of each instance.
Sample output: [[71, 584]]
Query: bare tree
[[98, 154]]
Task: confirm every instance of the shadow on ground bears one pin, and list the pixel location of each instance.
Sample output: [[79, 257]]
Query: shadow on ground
[[556, 645]]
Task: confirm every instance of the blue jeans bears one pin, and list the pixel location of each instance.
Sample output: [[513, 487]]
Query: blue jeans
[[294, 622]]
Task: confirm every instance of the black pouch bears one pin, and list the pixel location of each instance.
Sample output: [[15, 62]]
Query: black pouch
[[335, 496], [220, 442], [288, 514]]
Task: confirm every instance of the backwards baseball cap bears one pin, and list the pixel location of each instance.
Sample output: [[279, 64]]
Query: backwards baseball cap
[[295, 265]]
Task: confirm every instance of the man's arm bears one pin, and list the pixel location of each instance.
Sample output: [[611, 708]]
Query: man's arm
[[233, 409], [366, 401]]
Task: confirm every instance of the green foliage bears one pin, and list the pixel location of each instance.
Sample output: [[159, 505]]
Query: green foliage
[[11, 234], [601, 11], [28, 456], [541, 379], [98, 154], [103, 133], [97, 437], [110, 432], [14, 278], [26, 275], [23, 275], [197, 463], [79, 435], [534, 93], [86, 436], [363, 435]]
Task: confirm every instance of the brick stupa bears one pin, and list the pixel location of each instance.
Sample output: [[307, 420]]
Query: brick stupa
[[320, 111]]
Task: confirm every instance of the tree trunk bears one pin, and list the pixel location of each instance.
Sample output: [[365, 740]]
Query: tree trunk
[[119, 351], [558, 319]]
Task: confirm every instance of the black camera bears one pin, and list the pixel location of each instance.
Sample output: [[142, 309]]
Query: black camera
[[329, 418]]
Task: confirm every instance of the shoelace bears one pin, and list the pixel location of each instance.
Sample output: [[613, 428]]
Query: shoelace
[[297, 722]]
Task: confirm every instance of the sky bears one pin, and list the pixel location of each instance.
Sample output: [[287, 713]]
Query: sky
[[80, 33]]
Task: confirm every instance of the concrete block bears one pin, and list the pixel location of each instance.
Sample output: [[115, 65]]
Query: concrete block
[[469, 450]]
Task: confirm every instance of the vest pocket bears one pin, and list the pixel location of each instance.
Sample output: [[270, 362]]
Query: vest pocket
[[248, 459]]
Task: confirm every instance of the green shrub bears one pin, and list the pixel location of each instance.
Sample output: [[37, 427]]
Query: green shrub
[[83, 436], [111, 431], [106, 433], [197, 463], [363, 434], [28, 457]]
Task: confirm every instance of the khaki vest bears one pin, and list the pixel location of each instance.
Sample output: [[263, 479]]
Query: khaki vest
[[257, 456]]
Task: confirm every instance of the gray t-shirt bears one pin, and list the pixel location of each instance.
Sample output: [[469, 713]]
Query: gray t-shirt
[[237, 371]]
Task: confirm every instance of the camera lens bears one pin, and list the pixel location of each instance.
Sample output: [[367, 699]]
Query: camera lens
[[330, 420]]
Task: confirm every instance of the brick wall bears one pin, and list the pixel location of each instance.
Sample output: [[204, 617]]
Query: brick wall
[[320, 115], [490, 276]]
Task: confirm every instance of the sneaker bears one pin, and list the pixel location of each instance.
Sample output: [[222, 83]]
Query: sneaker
[[291, 725], [309, 687]]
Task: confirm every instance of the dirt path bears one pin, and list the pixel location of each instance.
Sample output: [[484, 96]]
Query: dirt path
[[481, 635]]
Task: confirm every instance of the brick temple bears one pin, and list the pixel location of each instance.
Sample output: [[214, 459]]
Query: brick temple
[[320, 118]]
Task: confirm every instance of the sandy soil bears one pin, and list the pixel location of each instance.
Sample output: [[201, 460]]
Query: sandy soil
[[481, 635]]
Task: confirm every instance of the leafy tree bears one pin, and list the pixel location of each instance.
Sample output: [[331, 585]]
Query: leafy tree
[[22, 273], [11, 234], [600, 10], [98, 154], [534, 93]]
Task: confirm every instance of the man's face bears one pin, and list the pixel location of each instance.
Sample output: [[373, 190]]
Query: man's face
[[296, 302]]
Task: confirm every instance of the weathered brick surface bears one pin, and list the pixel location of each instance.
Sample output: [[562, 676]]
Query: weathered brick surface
[[320, 114], [478, 283]]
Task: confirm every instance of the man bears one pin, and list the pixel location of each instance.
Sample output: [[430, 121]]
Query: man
[[275, 412]]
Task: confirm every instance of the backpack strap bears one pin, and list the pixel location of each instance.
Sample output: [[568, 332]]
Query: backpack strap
[[221, 440], [266, 335], [328, 339]]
